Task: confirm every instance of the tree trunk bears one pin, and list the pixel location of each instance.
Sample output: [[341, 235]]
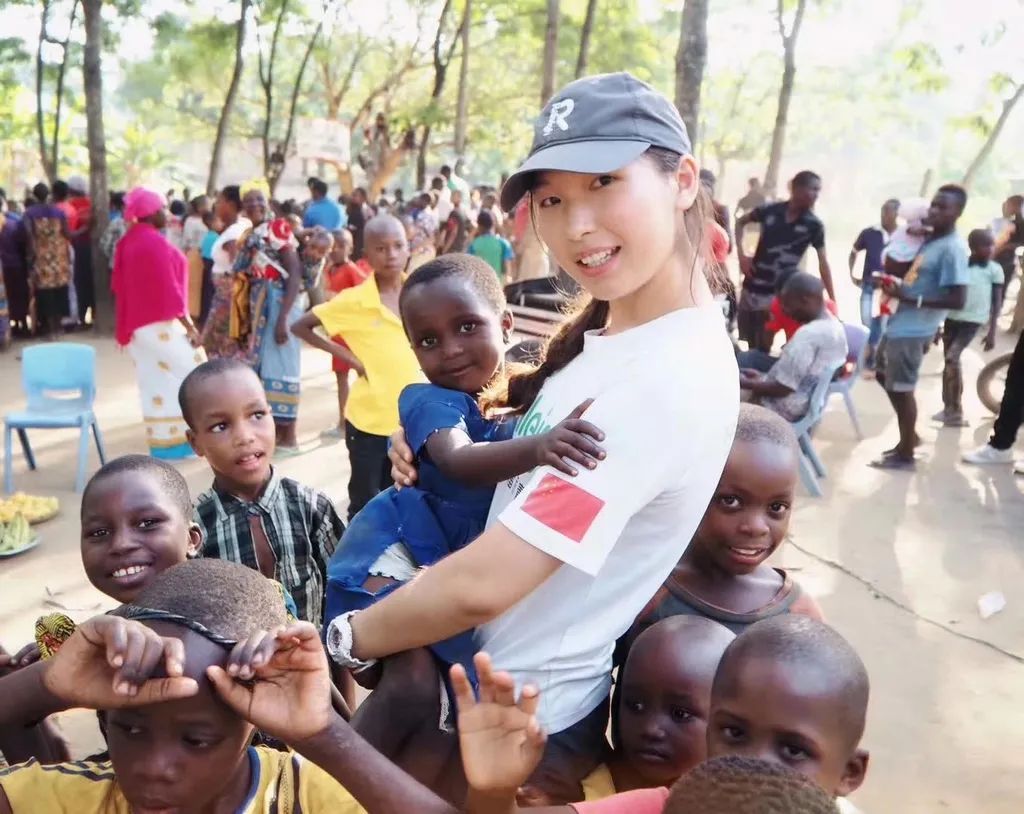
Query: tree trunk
[[92, 80], [267, 81], [442, 59], [547, 87], [993, 136], [55, 148], [278, 170], [771, 175], [588, 25], [44, 152], [49, 153], [691, 57], [390, 161], [462, 104], [229, 101]]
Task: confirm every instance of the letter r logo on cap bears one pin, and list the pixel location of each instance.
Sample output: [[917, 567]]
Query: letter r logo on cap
[[559, 116]]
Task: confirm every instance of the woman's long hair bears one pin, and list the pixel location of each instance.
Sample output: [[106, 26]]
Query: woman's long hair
[[515, 392]]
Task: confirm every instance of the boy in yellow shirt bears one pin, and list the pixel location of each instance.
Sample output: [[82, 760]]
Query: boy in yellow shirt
[[367, 318]]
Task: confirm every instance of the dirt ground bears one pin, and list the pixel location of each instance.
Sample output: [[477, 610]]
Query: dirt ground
[[897, 561]]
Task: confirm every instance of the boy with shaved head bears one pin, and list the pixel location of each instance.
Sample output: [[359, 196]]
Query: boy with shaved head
[[366, 317]]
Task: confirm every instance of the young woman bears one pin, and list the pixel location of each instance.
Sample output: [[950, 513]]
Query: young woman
[[268, 279], [567, 562]]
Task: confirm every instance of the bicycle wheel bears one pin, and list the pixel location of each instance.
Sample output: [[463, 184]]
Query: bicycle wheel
[[992, 381]]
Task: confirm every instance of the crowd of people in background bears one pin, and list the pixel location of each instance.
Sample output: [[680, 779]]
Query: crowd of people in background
[[608, 510]]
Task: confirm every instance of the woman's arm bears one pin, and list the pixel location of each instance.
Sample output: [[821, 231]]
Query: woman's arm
[[462, 591]]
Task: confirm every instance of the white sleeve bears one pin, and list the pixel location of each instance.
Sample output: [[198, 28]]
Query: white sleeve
[[578, 520]]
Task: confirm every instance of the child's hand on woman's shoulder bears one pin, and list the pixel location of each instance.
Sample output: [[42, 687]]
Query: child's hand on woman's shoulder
[[570, 440]]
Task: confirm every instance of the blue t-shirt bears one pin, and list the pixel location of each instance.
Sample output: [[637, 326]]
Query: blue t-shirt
[[207, 243], [940, 264], [326, 213]]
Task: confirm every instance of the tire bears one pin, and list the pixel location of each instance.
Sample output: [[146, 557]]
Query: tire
[[992, 381]]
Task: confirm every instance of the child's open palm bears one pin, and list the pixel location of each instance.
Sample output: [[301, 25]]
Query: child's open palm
[[500, 739], [279, 682]]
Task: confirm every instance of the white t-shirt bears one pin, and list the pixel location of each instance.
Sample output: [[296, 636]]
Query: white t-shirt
[[666, 395], [221, 259]]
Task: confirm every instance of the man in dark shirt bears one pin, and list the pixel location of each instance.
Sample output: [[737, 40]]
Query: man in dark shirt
[[358, 212], [787, 229], [872, 241]]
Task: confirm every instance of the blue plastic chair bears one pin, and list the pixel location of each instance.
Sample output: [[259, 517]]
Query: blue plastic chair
[[857, 354], [811, 467], [59, 380]]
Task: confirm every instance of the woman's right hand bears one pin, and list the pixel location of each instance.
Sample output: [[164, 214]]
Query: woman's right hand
[[403, 466], [108, 662]]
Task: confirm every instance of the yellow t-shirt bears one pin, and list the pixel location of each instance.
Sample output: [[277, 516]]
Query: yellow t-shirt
[[377, 338], [597, 785], [90, 787]]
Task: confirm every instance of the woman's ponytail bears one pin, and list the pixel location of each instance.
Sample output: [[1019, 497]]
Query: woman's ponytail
[[519, 388]]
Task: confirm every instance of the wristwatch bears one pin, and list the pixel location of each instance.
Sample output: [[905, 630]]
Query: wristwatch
[[340, 643]]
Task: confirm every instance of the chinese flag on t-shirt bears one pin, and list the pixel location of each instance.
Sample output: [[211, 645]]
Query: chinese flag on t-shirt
[[563, 507]]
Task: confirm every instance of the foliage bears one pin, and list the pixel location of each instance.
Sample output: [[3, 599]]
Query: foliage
[[163, 104]]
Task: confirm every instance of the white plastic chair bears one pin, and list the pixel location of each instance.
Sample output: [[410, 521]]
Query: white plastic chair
[[811, 467], [857, 354]]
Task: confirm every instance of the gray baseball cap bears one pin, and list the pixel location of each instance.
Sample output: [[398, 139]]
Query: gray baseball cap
[[598, 124]]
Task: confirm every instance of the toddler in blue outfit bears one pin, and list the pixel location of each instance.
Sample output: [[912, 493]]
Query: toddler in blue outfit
[[455, 315]]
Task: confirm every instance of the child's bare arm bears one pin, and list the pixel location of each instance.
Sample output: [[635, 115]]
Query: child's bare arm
[[305, 329], [106, 663], [485, 464], [279, 682]]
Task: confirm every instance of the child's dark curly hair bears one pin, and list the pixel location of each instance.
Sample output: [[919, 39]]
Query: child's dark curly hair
[[478, 275], [739, 785], [227, 598]]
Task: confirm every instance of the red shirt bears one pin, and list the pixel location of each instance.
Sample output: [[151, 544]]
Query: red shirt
[[344, 275], [640, 801], [778, 321], [70, 213], [82, 207]]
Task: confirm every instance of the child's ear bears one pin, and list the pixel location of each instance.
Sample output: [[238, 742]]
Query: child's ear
[[507, 323], [195, 540], [854, 772], [191, 438]]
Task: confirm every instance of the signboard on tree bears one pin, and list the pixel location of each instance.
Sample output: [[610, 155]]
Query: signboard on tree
[[325, 140]]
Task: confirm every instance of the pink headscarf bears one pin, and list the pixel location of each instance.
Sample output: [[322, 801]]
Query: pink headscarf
[[142, 202]]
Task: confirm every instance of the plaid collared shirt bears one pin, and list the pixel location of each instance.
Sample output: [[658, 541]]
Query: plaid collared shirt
[[302, 527]]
